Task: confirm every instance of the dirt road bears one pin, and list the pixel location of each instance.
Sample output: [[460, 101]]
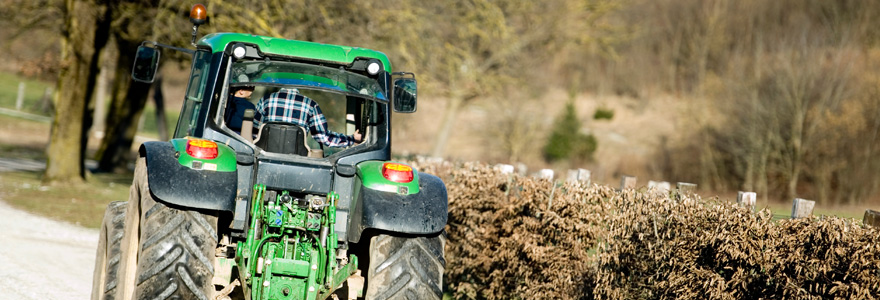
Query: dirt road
[[44, 259]]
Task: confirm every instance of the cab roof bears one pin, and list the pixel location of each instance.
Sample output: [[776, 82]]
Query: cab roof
[[300, 49]]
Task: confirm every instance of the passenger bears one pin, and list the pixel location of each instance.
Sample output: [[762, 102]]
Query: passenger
[[238, 103], [289, 106]]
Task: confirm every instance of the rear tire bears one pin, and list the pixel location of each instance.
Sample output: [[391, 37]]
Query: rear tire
[[105, 278], [406, 267], [175, 246]]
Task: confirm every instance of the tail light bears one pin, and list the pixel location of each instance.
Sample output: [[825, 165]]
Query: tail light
[[202, 149], [397, 172]]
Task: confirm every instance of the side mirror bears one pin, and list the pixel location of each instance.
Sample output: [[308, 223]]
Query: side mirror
[[405, 94], [146, 62]]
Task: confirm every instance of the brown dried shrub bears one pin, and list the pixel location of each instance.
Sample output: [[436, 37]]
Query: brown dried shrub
[[511, 237]]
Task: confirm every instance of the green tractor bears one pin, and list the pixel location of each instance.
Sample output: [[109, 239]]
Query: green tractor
[[214, 214]]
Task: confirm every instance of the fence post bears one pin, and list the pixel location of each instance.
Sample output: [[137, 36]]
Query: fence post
[[802, 208], [627, 182], [522, 169], [746, 199], [572, 176], [546, 174], [584, 176], [662, 186], [684, 187], [46, 105], [872, 217], [578, 175], [504, 169], [19, 99]]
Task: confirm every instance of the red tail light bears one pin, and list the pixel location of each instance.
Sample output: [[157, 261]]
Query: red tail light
[[202, 149], [397, 172]]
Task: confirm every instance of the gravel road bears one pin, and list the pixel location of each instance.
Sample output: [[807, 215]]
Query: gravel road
[[44, 259]]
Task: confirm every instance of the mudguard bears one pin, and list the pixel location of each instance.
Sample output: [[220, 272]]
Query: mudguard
[[422, 213], [180, 185]]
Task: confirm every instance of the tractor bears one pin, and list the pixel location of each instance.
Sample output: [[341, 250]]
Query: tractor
[[269, 212]]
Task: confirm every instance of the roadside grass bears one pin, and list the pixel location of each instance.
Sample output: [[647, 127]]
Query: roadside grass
[[33, 92], [81, 204]]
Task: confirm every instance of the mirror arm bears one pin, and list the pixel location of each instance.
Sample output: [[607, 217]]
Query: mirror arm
[[157, 44]]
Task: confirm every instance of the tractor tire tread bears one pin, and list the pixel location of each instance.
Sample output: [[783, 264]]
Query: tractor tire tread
[[406, 267]]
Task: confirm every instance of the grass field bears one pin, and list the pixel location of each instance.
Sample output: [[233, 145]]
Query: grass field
[[78, 204], [33, 92]]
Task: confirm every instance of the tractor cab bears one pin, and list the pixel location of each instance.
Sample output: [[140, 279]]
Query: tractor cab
[[351, 89]]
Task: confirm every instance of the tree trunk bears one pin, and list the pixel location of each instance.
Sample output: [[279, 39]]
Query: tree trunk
[[85, 33], [126, 107], [159, 100]]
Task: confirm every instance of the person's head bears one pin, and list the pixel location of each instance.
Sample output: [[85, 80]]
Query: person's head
[[242, 91]]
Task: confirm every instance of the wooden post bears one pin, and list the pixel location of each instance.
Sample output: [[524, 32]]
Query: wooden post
[[802, 208], [684, 187], [99, 118], [746, 199], [19, 100], [46, 105], [627, 182], [578, 175], [521, 169], [660, 186], [572, 176], [584, 176], [546, 174], [872, 217], [504, 168]]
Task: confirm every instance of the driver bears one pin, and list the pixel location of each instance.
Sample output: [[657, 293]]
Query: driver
[[289, 106]]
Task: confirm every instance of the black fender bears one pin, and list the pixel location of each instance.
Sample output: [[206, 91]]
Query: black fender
[[423, 213], [173, 183]]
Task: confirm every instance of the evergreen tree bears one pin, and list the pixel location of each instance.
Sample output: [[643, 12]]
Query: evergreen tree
[[566, 141]]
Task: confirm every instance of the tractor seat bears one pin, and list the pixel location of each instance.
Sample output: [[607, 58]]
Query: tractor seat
[[285, 138]]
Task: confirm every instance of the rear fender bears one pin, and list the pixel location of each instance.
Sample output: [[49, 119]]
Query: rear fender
[[174, 178], [423, 212]]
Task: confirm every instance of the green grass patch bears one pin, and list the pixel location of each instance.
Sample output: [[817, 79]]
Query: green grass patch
[[150, 128], [849, 212], [81, 204], [34, 91]]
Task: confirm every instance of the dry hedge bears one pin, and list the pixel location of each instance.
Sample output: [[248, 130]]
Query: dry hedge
[[512, 237]]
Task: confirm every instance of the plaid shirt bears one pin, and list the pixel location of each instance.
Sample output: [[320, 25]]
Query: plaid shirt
[[289, 106]]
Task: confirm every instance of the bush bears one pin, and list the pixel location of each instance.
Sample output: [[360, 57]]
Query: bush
[[603, 114], [513, 237], [567, 142]]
